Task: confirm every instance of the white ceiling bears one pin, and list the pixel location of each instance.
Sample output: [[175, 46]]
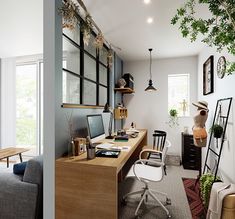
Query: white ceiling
[[123, 23], [21, 24]]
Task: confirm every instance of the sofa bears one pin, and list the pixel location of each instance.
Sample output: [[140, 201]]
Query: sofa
[[21, 196]]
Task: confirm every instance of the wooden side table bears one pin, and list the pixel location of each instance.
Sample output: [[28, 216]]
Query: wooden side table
[[10, 152]]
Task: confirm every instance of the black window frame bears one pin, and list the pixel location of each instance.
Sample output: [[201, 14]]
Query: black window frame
[[82, 77]]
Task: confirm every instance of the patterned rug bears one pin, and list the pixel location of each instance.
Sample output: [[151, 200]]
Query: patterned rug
[[194, 200]]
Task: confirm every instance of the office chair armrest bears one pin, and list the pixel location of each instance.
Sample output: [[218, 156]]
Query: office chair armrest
[[146, 162], [149, 151]]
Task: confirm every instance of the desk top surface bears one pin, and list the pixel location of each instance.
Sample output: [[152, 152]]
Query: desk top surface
[[109, 162]]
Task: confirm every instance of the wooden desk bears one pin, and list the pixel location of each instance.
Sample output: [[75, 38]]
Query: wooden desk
[[89, 188], [10, 152]]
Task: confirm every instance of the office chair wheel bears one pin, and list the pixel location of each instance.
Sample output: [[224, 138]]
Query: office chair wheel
[[168, 201], [123, 202], [169, 216], [137, 217]]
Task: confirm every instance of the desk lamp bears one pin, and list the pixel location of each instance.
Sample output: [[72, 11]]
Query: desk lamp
[[107, 110]]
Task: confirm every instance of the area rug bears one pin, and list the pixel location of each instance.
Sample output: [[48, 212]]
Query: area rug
[[193, 195]]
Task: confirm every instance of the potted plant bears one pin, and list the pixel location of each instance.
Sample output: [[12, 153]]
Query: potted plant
[[206, 182], [173, 118], [217, 130]]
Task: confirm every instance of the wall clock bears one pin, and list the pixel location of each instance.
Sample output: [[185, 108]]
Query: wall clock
[[221, 67]]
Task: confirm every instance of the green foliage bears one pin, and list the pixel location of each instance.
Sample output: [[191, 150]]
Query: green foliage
[[173, 119], [206, 182], [218, 30], [173, 112], [217, 130]]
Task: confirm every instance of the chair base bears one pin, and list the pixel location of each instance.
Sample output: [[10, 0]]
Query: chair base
[[145, 192]]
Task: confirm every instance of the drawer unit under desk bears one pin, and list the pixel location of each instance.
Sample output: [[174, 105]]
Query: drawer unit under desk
[[191, 155]]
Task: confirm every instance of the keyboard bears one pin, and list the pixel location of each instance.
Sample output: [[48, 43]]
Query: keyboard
[[104, 146]]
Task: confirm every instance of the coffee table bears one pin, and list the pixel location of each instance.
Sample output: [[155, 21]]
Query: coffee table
[[12, 151]]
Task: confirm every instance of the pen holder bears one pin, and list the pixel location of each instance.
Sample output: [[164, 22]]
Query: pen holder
[[90, 153]]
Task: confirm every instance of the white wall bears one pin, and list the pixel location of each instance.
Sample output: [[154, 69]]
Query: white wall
[[222, 88], [8, 103], [150, 110]]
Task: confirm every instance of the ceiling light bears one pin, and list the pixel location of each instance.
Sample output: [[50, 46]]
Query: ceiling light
[[150, 85], [147, 1], [150, 20]]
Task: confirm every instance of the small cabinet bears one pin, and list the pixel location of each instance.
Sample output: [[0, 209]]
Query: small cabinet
[[191, 155], [120, 113]]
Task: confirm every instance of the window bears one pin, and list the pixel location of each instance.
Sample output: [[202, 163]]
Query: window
[[29, 106], [85, 71], [178, 93]]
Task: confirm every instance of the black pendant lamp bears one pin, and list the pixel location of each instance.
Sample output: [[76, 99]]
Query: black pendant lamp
[[150, 86]]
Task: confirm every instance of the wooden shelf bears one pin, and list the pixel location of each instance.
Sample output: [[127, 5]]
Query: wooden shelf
[[125, 90]]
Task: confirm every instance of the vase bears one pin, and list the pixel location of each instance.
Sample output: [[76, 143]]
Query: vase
[[71, 148], [121, 83]]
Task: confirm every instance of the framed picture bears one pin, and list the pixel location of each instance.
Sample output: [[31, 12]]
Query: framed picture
[[208, 76]]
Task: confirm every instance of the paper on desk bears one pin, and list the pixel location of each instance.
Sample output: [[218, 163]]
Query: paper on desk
[[122, 148]]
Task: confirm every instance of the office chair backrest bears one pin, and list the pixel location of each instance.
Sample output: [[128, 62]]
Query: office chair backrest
[[165, 149], [159, 138]]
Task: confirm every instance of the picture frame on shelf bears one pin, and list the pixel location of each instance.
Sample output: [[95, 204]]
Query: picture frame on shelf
[[208, 76]]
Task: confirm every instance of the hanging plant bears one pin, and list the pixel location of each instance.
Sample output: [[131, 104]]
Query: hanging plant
[[99, 41], [217, 130], [69, 10], [110, 57], [218, 30], [173, 118], [86, 28]]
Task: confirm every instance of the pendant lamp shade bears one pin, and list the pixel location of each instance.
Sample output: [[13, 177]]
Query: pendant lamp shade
[[150, 86]]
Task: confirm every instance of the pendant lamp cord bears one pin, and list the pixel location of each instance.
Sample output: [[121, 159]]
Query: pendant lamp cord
[[150, 67]]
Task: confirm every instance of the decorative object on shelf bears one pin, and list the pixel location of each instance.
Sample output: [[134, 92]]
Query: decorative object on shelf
[[80, 146], [221, 67], [208, 76], [218, 29], [129, 80], [186, 130], [173, 118], [121, 83], [120, 113], [120, 105], [150, 86], [107, 110]]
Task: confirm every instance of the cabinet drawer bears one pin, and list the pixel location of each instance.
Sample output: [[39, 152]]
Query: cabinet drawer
[[191, 155]]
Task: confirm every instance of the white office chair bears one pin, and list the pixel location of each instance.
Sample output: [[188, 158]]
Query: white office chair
[[148, 170]]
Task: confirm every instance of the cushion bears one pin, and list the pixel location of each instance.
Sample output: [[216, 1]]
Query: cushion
[[33, 172], [19, 168]]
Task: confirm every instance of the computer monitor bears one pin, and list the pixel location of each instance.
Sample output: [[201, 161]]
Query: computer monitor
[[95, 127]]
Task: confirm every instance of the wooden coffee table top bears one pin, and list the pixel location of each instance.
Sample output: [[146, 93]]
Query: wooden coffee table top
[[9, 152]]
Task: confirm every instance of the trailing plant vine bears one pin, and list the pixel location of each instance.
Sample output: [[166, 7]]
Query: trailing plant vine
[[218, 30]]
